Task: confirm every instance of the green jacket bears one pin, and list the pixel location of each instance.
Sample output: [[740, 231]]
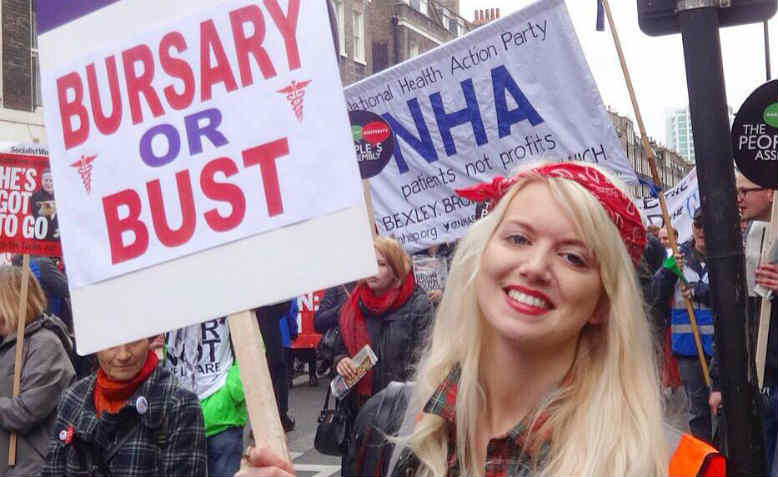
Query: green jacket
[[226, 407]]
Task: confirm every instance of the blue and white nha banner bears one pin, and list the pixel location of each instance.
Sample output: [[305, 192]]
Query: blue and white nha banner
[[514, 90]]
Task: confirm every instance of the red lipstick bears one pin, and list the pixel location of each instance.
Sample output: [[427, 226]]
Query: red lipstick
[[525, 308]]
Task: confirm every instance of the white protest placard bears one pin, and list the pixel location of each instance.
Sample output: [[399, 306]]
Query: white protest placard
[[513, 90], [429, 272], [200, 356], [202, 159], [682, 201]]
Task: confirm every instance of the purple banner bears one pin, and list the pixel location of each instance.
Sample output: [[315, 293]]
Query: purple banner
[[54, 13]]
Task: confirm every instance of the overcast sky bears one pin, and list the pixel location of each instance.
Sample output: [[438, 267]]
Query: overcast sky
[[655, 63]]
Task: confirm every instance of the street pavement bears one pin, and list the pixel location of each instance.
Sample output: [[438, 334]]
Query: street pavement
[[305, 404]]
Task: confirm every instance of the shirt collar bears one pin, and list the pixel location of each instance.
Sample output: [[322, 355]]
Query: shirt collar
[[443, 403]]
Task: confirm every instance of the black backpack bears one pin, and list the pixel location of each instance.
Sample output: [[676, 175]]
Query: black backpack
[[369, 452]]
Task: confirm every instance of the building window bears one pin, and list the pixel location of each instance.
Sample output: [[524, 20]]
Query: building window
[[419, 5], [359, 36], [453, 26], [413, 49], [341, 19]]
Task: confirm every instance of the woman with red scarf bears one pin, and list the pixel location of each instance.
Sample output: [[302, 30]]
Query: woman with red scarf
[[129, 418], [388, 312]]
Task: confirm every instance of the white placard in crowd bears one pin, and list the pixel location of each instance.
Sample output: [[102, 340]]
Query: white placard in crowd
[[514, 90], [682, 201], [430, 273], [200, 356], [178, 141]]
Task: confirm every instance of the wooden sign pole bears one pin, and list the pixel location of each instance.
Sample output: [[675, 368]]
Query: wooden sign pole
[[257, 384], [369, 204], [655, 178], [764, 311], [17, 384]]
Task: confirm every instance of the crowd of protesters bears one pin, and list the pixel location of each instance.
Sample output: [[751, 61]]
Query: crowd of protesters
[[536, 357]]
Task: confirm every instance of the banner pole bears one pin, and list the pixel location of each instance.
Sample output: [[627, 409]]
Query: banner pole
[[369, 205], [655, 179], [764, 310], [17, 383], [257, 384]]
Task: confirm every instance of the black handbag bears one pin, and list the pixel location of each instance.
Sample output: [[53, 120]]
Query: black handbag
[[334, 429], [325, 350]]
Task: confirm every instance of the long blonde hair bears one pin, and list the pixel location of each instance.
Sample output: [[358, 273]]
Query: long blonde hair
[[606, 419], [10, 294]]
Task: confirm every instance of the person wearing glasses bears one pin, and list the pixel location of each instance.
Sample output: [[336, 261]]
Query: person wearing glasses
[[754, 204], [669, 292]]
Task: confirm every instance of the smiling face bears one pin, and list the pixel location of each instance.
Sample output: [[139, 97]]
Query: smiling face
[[538, 283], [385, 279], [124, 362], [47, 183]]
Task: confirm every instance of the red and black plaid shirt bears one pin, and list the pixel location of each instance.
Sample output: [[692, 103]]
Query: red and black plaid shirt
[[505, 455]]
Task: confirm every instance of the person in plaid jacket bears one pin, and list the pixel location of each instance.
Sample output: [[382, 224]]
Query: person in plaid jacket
[[130, 418]]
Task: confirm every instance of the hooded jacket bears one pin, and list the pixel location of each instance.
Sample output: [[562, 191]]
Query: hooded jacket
[[46, 373]]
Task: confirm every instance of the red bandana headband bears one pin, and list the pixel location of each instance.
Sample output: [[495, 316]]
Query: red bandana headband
[[619, 207]]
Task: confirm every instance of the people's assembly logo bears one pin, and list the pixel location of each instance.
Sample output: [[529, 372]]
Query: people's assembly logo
[[373, 142], [755, 136]]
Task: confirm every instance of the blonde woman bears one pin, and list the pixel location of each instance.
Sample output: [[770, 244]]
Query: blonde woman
[[541, 360], [46, 372]]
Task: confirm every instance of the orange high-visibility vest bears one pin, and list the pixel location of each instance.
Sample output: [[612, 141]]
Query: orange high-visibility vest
[[693, 457]]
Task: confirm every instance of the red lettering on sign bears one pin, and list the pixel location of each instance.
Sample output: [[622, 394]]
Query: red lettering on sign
[[129, 200], [265, 156], [221, 72], [131, 223], [250, 45], [68, 109], [140, 77], [223, 192], [105, 124], [166, 235], [176, 68], [287, 25], [140, 84]]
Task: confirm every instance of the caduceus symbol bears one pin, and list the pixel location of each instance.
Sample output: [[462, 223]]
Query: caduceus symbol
[[294, 94], [84, 168]]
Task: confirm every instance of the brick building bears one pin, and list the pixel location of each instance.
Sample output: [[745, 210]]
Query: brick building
[[671, 166], [484, 16], [21, 115], [376, 34]]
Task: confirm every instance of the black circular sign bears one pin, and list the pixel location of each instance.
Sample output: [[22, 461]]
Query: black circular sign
[[373, 142], [755, 136]]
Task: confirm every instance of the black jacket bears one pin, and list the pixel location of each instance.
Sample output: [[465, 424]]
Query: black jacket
[[397, 339], [369, 452], [327, 314]]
